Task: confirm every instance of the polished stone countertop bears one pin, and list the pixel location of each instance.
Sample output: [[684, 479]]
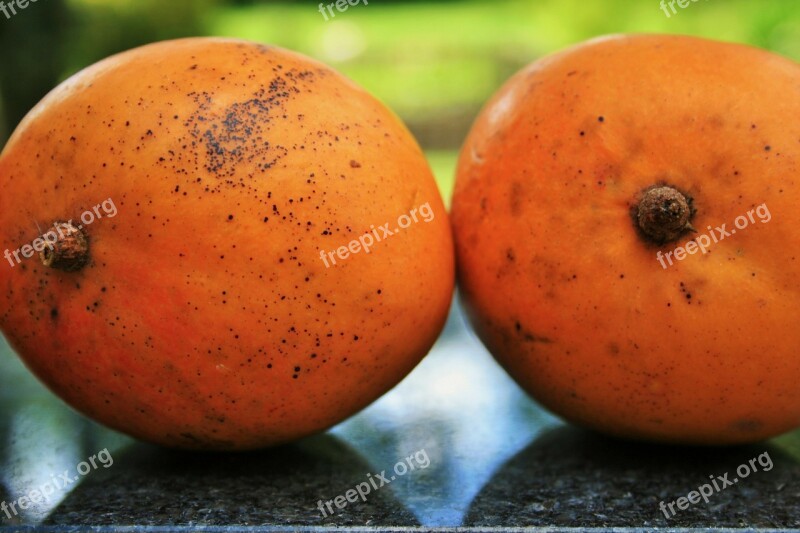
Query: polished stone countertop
[[494, 461]]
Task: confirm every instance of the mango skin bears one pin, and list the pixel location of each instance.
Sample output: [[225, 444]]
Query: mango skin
[[206, 318], [563, 290]]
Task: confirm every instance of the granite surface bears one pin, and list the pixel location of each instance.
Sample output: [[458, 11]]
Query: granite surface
[[495, 460]]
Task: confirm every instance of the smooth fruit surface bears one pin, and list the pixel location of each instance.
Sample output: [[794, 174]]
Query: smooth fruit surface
[[206, 316], [604, 324]]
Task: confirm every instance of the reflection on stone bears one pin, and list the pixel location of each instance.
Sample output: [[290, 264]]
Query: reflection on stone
[[463, 409], [7, 516]]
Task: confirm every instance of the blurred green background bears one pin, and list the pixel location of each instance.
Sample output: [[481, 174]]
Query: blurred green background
[[433, 63]]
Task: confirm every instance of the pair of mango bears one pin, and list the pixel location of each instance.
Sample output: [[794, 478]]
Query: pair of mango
[[233, 302]]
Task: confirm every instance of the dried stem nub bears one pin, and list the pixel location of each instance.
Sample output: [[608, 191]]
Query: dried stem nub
[[664, 214], [70, 252]]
